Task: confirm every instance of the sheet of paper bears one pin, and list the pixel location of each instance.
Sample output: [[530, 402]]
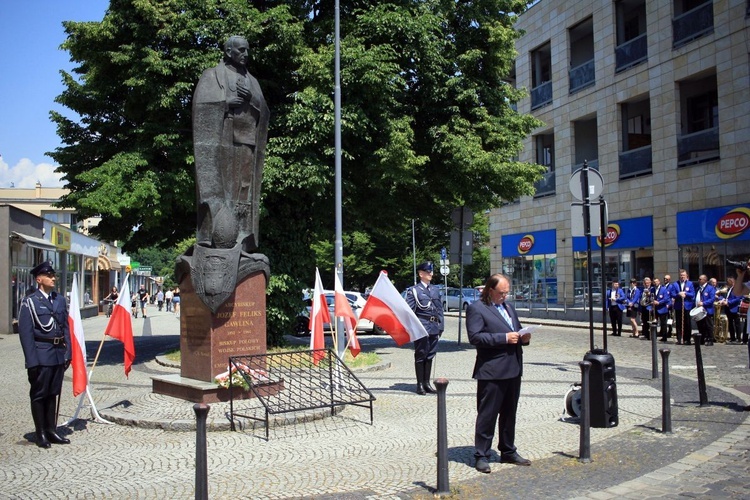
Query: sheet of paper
[[528, 329]]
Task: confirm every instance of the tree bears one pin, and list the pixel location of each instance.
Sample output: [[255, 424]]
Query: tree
[[427, 124]]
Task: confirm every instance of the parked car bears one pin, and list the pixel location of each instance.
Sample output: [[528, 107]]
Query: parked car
[[356, 302], [455, 298]]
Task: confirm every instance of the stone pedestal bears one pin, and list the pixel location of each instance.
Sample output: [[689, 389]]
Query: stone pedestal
[[208, 340]]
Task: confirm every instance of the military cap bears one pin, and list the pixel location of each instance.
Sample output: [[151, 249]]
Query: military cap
[[425, 266], [43, 268]]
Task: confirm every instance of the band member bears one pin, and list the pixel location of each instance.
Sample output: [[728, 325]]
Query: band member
[[646, 306], [616, 304], [705, 298], [633, 303], [683, 300], [741, 289], [670, 306], [45, 340], [731, 306], [424, 299], [661, 303]]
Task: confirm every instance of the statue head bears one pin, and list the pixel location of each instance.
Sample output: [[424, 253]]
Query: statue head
[[236, 50]]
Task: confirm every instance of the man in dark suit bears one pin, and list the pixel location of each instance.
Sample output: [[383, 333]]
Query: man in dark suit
[[492, 326], [45, 340], [662, 301], [424, 299]]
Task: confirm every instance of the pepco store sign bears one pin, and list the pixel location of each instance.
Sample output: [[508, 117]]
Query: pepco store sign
[[733, 223], [526, 244], [613, 232]]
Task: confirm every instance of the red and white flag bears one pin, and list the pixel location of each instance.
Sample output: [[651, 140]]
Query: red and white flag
[[342, 309], [120, 324], [387, 308], [318, 316], [78, 343]]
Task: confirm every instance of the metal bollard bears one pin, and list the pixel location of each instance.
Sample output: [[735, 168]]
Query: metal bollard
[[201, 460], [666, 397], [654, 356], [584, 449], [443, 486], [703, 395]]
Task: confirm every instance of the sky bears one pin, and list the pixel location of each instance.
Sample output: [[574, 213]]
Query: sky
[[30, 63]]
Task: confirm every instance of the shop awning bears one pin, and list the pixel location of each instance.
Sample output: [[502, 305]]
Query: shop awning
[[107, 264], [33, 241]]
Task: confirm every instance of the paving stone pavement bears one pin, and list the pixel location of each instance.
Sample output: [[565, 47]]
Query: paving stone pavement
[[149, 453]]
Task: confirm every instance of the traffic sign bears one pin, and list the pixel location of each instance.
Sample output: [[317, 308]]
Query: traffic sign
[[443, 254], [596, 184], [445, 270]]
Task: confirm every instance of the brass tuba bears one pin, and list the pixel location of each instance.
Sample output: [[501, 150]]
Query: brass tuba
[[646, 299]]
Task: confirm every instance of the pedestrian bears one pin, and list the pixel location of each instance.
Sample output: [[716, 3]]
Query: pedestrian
[[45, 340], [168, 299], [741, 289], [160, 299], [633, 303], [683, 297], [134, 304], [705, 298], [493, 328], [143, 299], [176, 301], [424, 300]]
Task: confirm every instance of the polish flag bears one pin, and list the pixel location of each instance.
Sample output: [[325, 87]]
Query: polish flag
[[120, 324], [387, 308], [78, 343], [342, 309], [318, 316]]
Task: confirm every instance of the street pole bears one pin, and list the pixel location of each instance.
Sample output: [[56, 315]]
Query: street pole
[[339, 243], [587, 235]]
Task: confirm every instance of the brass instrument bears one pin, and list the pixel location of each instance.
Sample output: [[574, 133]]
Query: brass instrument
[[646, 301], [721, 323]]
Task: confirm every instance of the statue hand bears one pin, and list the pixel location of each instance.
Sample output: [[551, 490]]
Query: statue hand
[[235, 102], [243, 92]]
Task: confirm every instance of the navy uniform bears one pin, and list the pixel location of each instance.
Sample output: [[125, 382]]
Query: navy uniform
[[705, 297], [424, 300], [45, 339], [662, 301]]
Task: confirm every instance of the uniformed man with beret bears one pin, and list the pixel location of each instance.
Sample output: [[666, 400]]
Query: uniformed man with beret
[[45, 339], [424, 299]]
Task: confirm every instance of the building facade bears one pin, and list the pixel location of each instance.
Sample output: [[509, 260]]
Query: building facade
[[654, 96]]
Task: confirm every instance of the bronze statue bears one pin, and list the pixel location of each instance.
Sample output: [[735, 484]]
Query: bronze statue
[[230, 128]]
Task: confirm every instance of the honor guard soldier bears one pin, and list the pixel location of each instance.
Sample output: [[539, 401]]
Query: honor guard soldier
[[45, 339], [424, 299]]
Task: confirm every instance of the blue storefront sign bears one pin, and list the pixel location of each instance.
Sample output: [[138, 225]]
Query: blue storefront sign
[[532, 243], [627, 233], [714, 225]]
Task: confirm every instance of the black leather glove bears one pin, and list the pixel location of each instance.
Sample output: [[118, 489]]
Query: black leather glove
[[67, 364]]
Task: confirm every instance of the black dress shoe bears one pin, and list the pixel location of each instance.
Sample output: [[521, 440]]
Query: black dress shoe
[[420, 390], [55, 438], [483, 466], [514, 459]]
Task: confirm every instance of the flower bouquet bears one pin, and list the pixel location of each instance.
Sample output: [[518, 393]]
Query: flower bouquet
[[236, 379]]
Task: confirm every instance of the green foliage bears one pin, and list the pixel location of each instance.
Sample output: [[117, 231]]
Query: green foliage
[[427, 124]]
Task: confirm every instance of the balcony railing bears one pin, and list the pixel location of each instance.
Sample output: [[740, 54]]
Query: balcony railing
[[630, 53], [541, 95], [546, 185], [698, 147], [582, 76], [693, 24], [592, 164], [635, 162]]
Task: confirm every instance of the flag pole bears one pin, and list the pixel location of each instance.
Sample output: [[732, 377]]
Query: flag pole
[[94, 412]]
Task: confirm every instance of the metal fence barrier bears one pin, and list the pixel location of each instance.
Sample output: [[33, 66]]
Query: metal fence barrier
[[296, 381]]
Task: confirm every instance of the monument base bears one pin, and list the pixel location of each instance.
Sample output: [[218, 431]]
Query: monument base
[[197, 391]]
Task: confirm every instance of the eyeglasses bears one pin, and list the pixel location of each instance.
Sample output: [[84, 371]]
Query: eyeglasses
[[501, 293]]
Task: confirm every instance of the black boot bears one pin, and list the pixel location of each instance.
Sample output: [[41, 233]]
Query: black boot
[[419, 370], [426, 379], [37, 413], [50, 422]]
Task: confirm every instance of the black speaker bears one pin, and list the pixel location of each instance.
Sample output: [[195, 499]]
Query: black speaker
[[602, 389]]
